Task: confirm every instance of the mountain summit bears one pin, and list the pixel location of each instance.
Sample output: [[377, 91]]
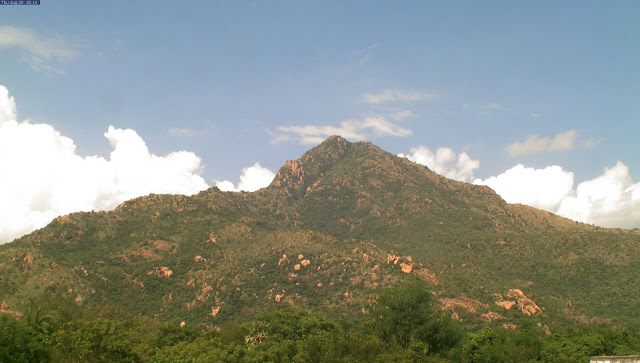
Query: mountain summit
[[358, 184], [333, 228], [298, 175]]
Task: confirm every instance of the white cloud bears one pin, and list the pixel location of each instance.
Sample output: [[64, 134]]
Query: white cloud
[[42, 177], [536, 144], [444, 162], [609, 200], [182, 132], [43, 54], [226, 186], [401, 115], [252, 178], [395, 95], [540, 188], [354, 130], [7, 105], [592, 142]]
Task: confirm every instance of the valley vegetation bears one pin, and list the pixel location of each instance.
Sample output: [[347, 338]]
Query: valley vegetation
[[402, 324]]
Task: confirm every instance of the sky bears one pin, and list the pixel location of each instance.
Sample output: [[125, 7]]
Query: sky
[[101, 101]]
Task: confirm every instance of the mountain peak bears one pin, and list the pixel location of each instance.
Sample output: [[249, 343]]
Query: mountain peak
[[297, 175], [334, 138]]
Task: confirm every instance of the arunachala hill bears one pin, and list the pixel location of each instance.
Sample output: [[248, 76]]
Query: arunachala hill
[[334, 228]]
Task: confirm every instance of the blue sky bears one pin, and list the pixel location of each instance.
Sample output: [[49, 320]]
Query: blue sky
[[237, 83]]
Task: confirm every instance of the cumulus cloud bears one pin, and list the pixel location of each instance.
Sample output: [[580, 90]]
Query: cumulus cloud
[[396, 95], [7, 105], [536, 144], [540, 188], [252, 178], [609, 200], [42, 53], [355, 130], [444, 162], [42, 177]]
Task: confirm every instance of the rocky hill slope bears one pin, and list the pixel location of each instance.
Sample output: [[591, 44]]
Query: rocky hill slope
[[332, 229]]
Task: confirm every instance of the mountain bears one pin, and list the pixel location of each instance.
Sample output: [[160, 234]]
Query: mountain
[[334, 228]]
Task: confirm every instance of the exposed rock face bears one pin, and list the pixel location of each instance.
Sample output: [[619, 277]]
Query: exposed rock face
[[215, 311], [464, 303], [525, 304], [299, 176], [161, 272], [166, 272], [204, 293], [490, 316], [62, 219], [515, 293], [545, 328], [506, 304], [426, 275], [406, 268], [82, 269]]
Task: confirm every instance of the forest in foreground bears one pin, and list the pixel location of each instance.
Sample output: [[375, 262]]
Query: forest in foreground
[[402, 324]]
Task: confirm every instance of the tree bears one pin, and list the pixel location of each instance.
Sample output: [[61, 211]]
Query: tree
[[20, 342], [406, 315]]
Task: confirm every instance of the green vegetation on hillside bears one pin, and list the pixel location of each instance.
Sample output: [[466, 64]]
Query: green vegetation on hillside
[[402, 324], [334, 228]]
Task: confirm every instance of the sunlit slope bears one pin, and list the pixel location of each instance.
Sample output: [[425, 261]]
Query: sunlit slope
[[335, 226]]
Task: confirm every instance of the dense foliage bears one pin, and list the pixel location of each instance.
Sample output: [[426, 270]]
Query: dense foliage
[[402, 324]]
